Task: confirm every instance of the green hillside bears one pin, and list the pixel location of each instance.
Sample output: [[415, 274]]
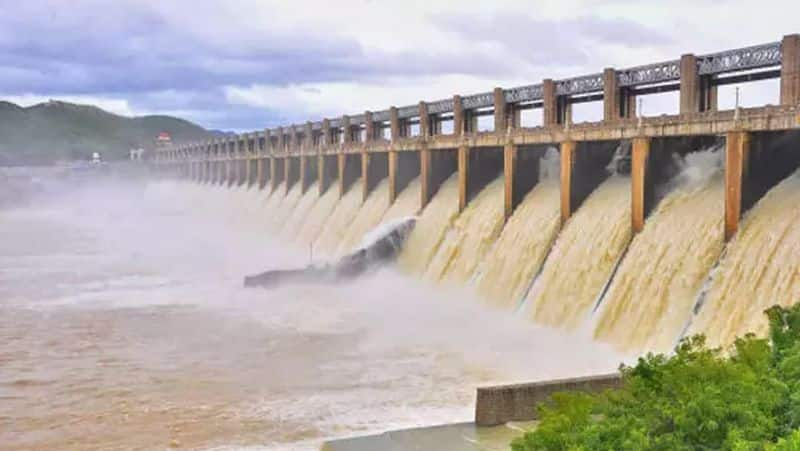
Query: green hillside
[[59, 131]]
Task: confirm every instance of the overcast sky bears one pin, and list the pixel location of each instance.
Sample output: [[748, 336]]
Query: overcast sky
[[249, 64]]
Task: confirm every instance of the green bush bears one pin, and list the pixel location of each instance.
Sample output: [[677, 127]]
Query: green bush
[[696, 399]]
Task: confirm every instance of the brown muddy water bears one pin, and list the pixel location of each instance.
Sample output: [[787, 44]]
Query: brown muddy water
[[124, 325]]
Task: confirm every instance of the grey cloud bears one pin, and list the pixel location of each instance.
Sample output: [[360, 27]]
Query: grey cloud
[[550, 42]]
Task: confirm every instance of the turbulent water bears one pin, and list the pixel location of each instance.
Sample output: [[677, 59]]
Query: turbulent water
[[124, 325], [513, 262], [431, 226], [367, 218], [650, 300], [760, 268], [470, 236], [406, 204], [584, 256]]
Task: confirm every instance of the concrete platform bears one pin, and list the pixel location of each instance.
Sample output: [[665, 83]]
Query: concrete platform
[[449, 437]]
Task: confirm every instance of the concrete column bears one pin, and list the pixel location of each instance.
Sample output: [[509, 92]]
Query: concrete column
[[500, 113], [737, 152], [238, 155], [458, 116], [425, 175], [229, 163], [248, 179], [394, 123], [640, 154], [369, 127], [273, 174], [341, 159], [790, 70], [392, 176], [510, 152], [697, 93], [268, 150], [567, 163], [611, 97], [424, 121], [347, 132], [308, 140], [291, 148], [280, 145], [326, 140], [287, 173], [321, 174], [365, 157], [689, 85], [260, 172], [463, 176], [302, 176], [549, 103]]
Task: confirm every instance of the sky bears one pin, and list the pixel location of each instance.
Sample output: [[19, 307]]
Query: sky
[[242, 65]]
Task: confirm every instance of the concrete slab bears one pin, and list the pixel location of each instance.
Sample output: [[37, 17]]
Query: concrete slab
[[448, 437]]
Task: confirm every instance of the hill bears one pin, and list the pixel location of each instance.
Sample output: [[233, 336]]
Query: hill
[[58, 131]]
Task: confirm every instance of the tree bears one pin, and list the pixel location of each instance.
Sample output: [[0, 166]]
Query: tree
[[696, 399]]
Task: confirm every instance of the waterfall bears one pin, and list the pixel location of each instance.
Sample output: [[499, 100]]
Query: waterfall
[[760, 268], [651, 297], [584, 256]]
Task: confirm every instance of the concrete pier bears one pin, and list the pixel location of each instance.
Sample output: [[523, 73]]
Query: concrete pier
[[521, 170], [349, 171], [374, 168]]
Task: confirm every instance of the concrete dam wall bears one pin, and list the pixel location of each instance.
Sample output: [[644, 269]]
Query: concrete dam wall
[[639, 230]]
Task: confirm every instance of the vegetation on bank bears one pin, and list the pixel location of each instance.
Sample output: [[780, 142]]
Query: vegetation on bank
[[697, 399], [61, 131]]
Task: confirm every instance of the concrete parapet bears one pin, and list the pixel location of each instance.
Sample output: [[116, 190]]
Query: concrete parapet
[[501, 404]]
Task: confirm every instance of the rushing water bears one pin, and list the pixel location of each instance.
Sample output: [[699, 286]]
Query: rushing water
[[513, 262], [760, 268], [124, 325], [431, 226], [406, 204], [650, 300], [470, 236], [368, 217], [584, 256]]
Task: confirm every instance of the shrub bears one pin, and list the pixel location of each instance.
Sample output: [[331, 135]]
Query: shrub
[[696, 399]]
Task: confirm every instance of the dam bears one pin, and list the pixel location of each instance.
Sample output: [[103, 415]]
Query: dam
[[595, 226], [631, 232]]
